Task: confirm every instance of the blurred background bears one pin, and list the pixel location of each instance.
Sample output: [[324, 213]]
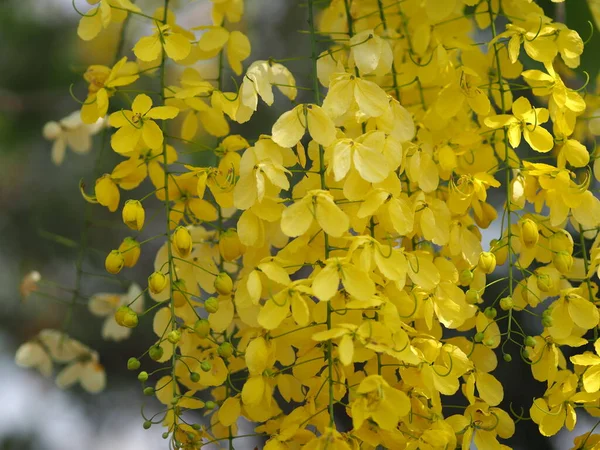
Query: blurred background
[[41, 218]]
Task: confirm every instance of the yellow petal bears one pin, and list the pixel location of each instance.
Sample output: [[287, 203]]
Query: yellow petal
[[320, 126], [230, 411], [289, 128], [148, 48], [326, 283], [152, 134], [296, 218], [330, 217], [177, 46]]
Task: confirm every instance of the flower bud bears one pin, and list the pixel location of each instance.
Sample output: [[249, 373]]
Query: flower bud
[[130, 249], [529, 341], [114, 262], [479, 336], [487, 262], [134, 214], [157, 282], [465, 277], [230, 246], [206, 366], [143, 376], [202, 327], [472, 296], [490, 313], [195, 377], [155, 352], [563, 261], [211, 305], [133, 364], [507, 357], [180, 297], [149, 391], [544, 282], [223, 284], [182, 241], [225, 350], [147, 424], [210, 405], [126, 317], [547, 321], [529, 233], [506, 303], [174, 336]]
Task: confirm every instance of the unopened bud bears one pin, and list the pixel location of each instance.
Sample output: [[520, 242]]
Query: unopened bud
[[126, 317], [174, 336], [472, 296], [202, 327], [563, 261], [206, 366], [465, 277], [530, 233], [211, 305], [194, 376], [230, 246], [143, 376], [114, 262], [134, 214], [182, 241], [506, 303], [223, 284], [155, 352], [133, 364], [529, 341], [544, 282], [487, 262], [131, 250], [157, 282], [225, 350], [490, 313]]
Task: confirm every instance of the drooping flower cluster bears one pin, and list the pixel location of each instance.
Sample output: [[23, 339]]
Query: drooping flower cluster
[[319, 273]]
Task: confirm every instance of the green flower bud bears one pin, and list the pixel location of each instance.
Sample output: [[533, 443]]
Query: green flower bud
[[206, 366], [487, 262], [155, 352], [223, 284], [563, 261], [479, 337], [194, 376], [507, 357], [174, 336], [472, 296], [547, 321], [529, 341], [149, 391], [490, 312], [225, 350], [143, 376], [465, 277], [147, 424], [133, 364], [126, 317], [506, 303], [202, 327], [544, 282], [211, 305], [210, 405]]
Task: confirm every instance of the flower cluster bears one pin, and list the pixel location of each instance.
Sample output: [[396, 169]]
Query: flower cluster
[[335, 265]]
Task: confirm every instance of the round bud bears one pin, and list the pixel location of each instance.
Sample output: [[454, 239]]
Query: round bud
[[165, 435], [155, 352], [472, 296], [134, 214], [182, 241], [488, 342], [206, 366], [529, 341], [174, 336], [223, 284], [230, 246], [126, 317], [544, 282], [225, 350], [202, 327], [506, 303], [526, 353], [147, 424], [149, 391], [530, 233], [196, 426], [487, 262], [211, 305], [479, 337], [210, 404], [131, 250], [507, 357], [194, 376], [143, 376], [133, 364], [114, 262], [547, 321], [490, 312], [157, 282], [465, 277], [563, 261], [179, 293]]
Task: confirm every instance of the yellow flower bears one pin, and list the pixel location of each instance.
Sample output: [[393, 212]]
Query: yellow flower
[[100, 17], [377, 400], [137, 125], [107, 192], [176, 45], [103, 83], [216, 38], [291, 126], [106, 304], [526, 120], [346, 89]]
